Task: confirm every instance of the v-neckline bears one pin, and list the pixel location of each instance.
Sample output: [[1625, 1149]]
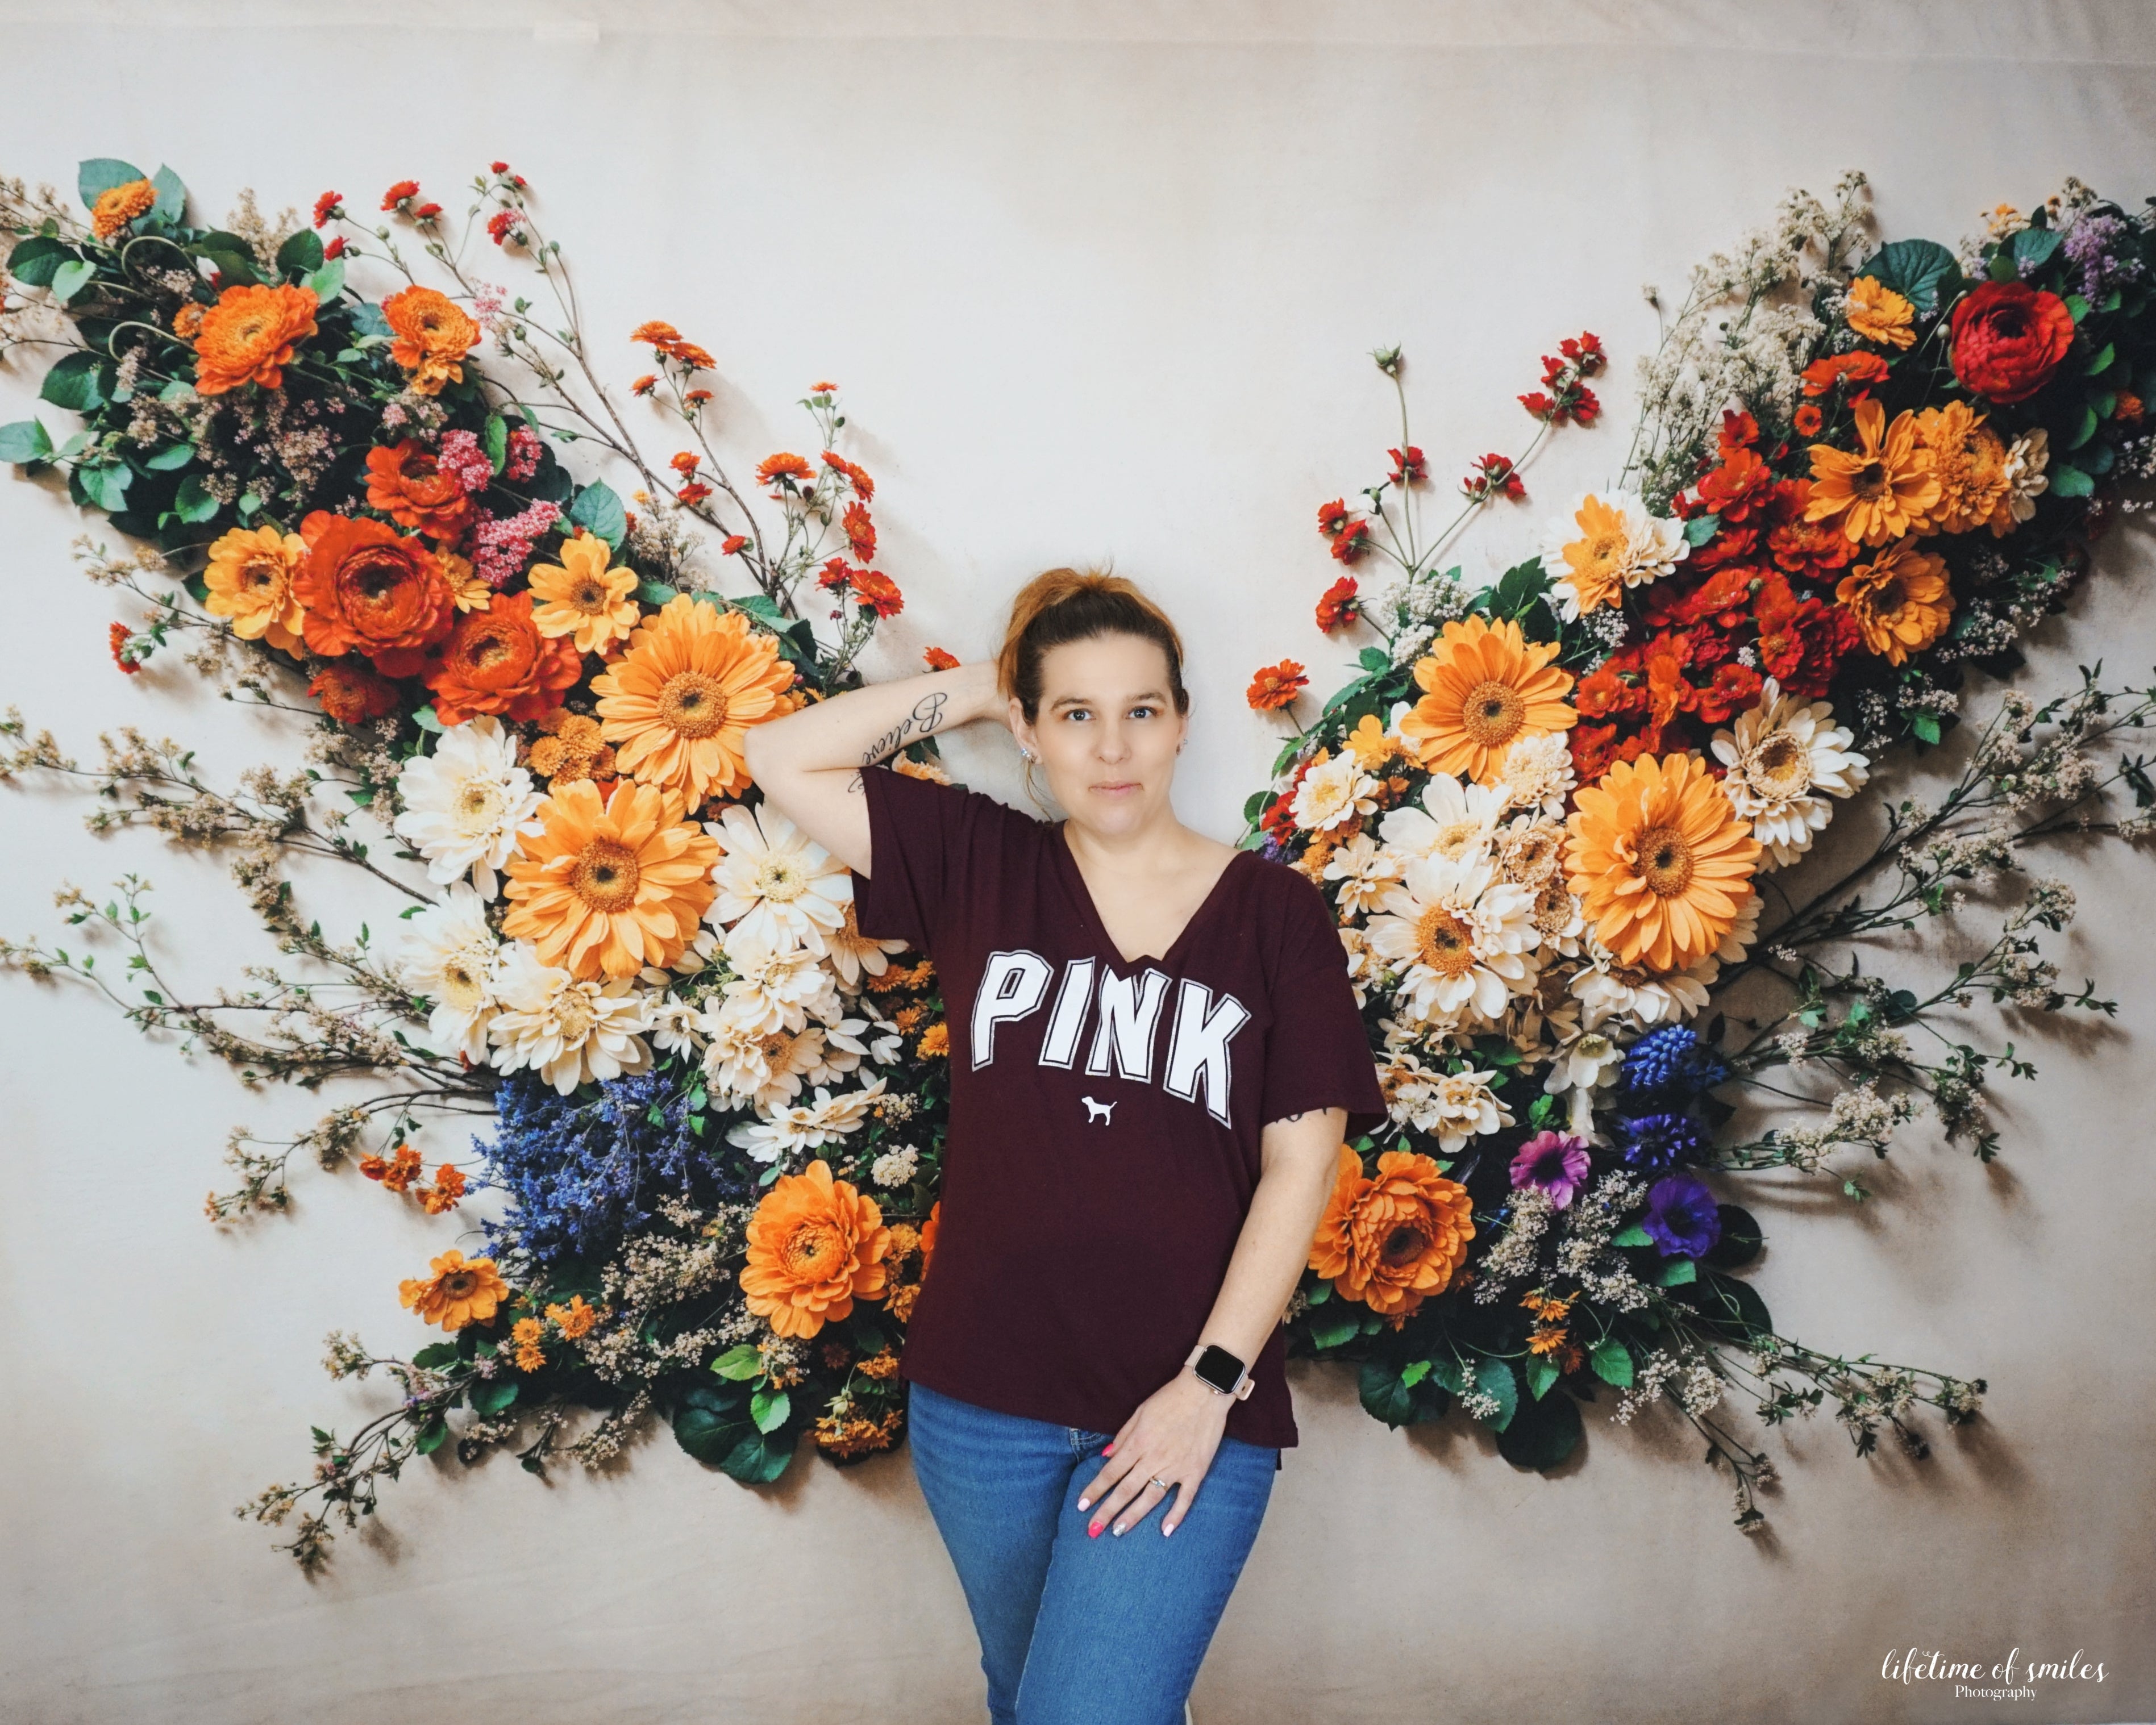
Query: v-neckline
[[1075, 877]]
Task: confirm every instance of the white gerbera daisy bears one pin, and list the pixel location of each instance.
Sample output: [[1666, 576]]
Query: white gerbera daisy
[[777, 887], [853, 953], [1366, 871], [1455, 820], [805, 1126], [465, 804], [1785, 758], [567, 1030], [1604, 545], [450, 955], [1459, 935], [1538, 773], [1332, 794]]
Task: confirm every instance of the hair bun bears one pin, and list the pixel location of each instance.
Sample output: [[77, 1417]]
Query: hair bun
[[1061, 606]]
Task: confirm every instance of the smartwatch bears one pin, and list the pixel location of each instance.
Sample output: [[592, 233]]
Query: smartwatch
[[1220, 1370]]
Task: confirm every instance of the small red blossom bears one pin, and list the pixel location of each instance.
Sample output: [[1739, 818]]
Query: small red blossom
[[498, 168], [822, 387], [938, 659], [1274, 685], [1494, 476], [1409, 467], [876, 591], [1332, 518], [732, 543], [782, 468], [864, 486], [120, 635], [1340, 606], [697, 398], [1849, 370], [1568, 397], [684, 462], [327, 206], [1808, 420], [335, 249], [860, 533], [505, 225], [398, 193], [426, 212], [1739, 430], [690, 495], [645, 384], [835, 576]]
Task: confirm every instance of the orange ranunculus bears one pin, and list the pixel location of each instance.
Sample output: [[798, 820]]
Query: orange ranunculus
[[1853, 370], [1485, 688], [498, 661], [2009, 338], [433, 334], [1660, 860], [1900, 600], [367, 588], [403, 482], [582, 599], [815, 1245], [351, 694], [116, 206], [678, 704], [1883, 490], [250, 337], [860, 534], [457, 1293], [250, 577], [1394, 1239], [609, 886]]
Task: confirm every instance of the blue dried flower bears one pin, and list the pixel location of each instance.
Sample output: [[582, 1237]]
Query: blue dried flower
[[1669, 1067], [1654, 1142]]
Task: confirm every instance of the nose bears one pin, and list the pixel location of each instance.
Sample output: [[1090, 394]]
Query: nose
[[1114, 744]]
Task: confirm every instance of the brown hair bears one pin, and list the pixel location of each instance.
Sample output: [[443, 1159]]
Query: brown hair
[[1064, 605]]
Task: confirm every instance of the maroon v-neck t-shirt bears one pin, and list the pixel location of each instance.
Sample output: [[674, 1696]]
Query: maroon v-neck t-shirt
[[1104, 1114]]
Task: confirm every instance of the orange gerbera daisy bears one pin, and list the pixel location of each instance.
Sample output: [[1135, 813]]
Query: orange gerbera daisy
[[403, 482], [250, 577], [1970, 462], [1394, 1239], [498, 661], [1661, 861], [367, 586], [457, 1293], [584, 598], [1485, 688], [610, 885], [1886, 489], [250, 337], [1900, 600], [433, 334], [116, 206], [679, 705], [1879, 315], [815, 1245]]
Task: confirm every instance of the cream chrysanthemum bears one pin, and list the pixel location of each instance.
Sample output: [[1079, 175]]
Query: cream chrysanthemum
[[777, 887], [1366, 871], [1455, 820], [1332, 793], [2026, 480], [854, 954], [569, 1032], [805, 1126], [450, 955], [1452, 1107], [1786, 757], [1460, 937], [466, 803], [1605, 545], [779, 988], [1538, 773]]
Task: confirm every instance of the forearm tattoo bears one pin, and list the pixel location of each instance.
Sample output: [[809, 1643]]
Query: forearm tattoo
[[926, 715]]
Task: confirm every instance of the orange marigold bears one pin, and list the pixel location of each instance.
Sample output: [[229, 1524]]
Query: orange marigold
[[1274, 685], [782, 465], [656, 332], [1661, 861], [678, 706], [498, 661], [403, 482], [610, 884], [249, 576], [366, 587], [1394, 1239], [1485, 688], [432, 335], [250, 336], [1900, 600], [1879, 315], [575, 1319], [1970, 462], [1887, 488], [456, 1293], [118, 205], [524, 1335], [815, 1245], [857, 477], [571, 749]]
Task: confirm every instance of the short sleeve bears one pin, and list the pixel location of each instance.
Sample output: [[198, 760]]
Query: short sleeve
[[922, 840], [1317, 1052]]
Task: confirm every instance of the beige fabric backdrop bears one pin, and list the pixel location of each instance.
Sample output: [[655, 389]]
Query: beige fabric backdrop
[[1099, 281]]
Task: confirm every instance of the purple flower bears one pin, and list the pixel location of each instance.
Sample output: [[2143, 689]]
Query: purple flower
[[1551, 1162], [1654, 1143], [2102, 246], [1681, 1217]]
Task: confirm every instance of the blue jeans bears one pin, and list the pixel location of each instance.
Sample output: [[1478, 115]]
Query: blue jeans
[[1075, 1630]]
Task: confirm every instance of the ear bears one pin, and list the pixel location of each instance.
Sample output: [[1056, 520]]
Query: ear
[[1028, 739]]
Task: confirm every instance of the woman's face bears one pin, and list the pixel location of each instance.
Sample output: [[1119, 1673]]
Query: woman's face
[[1107, 731]]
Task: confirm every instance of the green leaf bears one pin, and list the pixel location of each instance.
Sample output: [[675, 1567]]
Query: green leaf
[[1386, 1395], [1541, 1372], [2101, 362], [367, 320], [490, 1395], [656, 592], [768, 1409], [1334, 1324], [171, 457], [709, 1422], [2069, 481], [426, 721], [328, 281], [598, 508], [1544, 1436], [431, 1435], [435, 1355], [101, 173], [106, 485], [2078, 306], [740, 1362], [235, 263], [76, 382], [1374, 659], [1917, 270], [71, 278], [301, 254], [762, 607], [1925, 727], [2033, 247], [1741, 1240], [1414, 1372], [496, 441], [1636, 1235], [1676, 1272], [193, 502], [1612, 1362], [1445, 1371], [1701, 528], [2085, 430], [1494, 1377], [25, 440], [34, 260], [171, 202], [757, 1460]]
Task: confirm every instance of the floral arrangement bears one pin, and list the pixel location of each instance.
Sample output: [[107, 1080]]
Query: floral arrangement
[[1545, 813]]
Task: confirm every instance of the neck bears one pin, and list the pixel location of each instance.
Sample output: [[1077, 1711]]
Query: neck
[[1158, 842]]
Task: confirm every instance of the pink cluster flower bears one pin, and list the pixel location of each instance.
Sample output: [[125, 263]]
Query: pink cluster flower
[[461, 458], [487, 301], [502, 544], [523, 453]]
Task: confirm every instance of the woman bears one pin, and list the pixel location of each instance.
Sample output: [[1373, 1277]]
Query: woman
[[1154, 1053]]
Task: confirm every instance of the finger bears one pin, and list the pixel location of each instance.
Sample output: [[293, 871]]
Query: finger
[[1125, 1489], [1105, 1478], [1186, 1494], [1140, 1506]]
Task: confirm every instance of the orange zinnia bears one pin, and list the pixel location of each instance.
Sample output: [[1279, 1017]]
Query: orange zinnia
[[1900, 600], [457, 1293], [1885, 489], [1276, 685], [815, 1245], [499, 660], [1394, 1239], [366, 586], [250, 335], [782, 465], [679, 705], [249, 578], [1485, 688], [584, 598], [1661, 859], [609, 887], [1970, 462], [433, 334], [1880, 314], [116, 206], [403, 482]]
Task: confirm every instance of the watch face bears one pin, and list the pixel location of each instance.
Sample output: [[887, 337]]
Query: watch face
[[1219, 1369]]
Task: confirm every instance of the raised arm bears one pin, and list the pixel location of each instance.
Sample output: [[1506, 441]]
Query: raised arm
[[810, 763]]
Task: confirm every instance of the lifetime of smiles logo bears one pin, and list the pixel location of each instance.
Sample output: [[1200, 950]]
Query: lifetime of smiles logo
[[2012, 1678]]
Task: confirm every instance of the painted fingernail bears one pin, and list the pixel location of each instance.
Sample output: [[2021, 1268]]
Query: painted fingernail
[[1119, 1527], [1084, 1503], [1107, 1449], [1165, 1531]]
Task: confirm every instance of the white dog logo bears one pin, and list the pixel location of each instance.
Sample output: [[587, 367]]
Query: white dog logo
[[1102, 1112]]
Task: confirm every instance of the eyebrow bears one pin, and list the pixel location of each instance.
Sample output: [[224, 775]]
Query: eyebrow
[[1153, 695]]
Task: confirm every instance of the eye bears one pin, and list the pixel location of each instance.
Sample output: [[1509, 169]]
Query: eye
[[1144, 709], [1077, 712]]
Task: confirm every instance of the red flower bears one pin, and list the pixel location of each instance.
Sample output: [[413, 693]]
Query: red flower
[[690, 495], [1276, 685], [1340, 606], [1536, 402], [860, 533], [1493, 475], [685, 462], [398, 192], [1739, 430], [426, 212], [1821, 375], [1333, 517], [732, 543], [835, 576], [335, 249], [1409, 467], [822, 387], [503, 225], [645, 384], [119, 636], [938, 659], [2009, 338], [1802, 642], [1808, 420], [783, 466], [498, 168], [696, 397], [877, 591], [864, 486], [1586, 353], [1724, 593], [1740, 484], [325, 205], [351, 693], [496, 662]]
